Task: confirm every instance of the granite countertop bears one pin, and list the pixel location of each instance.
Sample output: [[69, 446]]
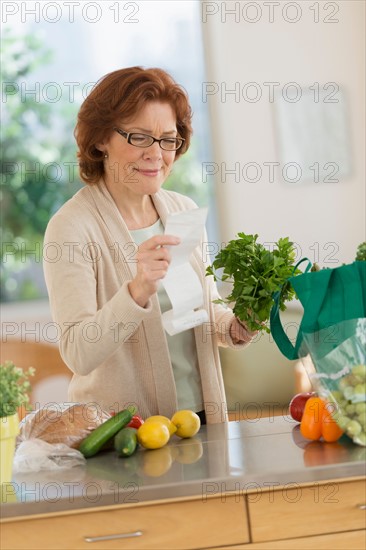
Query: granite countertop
[[249, 455]]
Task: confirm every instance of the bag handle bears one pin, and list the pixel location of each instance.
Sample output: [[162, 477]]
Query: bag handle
[[282, 340], [308, 267]]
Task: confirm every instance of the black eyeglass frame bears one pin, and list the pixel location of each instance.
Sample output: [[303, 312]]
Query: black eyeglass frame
[[127, 136]]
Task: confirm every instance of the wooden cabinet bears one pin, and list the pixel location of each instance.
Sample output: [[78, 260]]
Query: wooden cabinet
[[179, 525], [325, 516], [297, 510]]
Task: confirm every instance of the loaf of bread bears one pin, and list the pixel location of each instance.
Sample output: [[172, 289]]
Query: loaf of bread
[[62, 423]]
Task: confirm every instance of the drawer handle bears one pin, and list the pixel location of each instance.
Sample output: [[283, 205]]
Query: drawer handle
[[361, 506], [113, 537]]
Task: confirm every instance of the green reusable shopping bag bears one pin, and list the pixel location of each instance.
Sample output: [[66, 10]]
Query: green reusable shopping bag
[[328, 296]]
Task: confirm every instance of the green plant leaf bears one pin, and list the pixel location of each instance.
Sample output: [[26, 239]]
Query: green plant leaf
[[255, 274], [14, 387]]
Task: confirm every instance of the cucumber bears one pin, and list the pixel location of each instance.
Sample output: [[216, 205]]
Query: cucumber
[[125, 442], [93, 443]]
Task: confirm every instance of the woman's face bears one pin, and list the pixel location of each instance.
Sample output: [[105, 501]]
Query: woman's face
[[137, 170]]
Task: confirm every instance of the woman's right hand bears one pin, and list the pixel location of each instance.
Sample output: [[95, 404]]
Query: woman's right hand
[[153, 261]]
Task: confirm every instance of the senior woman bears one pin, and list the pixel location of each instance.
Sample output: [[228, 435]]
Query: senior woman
[[105, 296]]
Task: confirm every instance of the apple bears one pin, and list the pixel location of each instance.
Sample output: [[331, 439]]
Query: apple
[[297, 405]]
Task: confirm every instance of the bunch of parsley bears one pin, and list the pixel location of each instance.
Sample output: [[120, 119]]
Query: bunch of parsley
[[256, 273]]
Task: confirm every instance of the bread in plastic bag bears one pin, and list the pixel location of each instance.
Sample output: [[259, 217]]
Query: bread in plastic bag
[[49, 437], [35, 455], [66, 423]]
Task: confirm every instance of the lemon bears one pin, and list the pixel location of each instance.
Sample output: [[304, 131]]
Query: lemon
[[187, 423], [164, 420], [153, 435]]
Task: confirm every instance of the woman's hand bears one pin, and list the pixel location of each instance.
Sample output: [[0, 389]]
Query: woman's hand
[[239, 333], [153, 261]]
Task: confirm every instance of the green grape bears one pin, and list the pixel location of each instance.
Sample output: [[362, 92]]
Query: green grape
[[351, 401], [343, 383], [360, 439], [349, 392], [359, 370], [335, 396], [343, 422], [350, 409], [360, 389], [361, 418], [342, 404], [354, 379], [353, 428], [360, 407]]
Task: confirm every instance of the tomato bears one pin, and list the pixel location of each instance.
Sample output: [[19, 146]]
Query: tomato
[[311, 422], [297, 405], [136, 422]]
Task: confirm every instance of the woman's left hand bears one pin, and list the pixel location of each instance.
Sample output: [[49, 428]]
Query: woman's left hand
[[239, 333]]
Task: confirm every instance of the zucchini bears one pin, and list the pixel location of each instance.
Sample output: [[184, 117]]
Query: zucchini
[[93, 443], [125, 442]]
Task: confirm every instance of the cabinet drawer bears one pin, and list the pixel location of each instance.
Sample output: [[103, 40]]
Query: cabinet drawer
[[296, 511], [336, 541], [179, 525]]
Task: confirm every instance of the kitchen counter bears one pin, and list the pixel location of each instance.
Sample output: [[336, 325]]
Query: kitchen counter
[[237, 459], [236, 456]]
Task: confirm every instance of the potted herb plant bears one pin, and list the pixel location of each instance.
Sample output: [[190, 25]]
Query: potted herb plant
[[14, 388]]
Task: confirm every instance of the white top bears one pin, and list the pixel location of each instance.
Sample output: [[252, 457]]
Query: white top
[[182, 347]]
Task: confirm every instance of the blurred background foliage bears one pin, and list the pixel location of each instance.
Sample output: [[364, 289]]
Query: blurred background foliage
[[36, 141], [38, 165]]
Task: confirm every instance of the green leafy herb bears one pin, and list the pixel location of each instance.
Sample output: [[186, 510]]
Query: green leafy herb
[[14, 388], [361, 252], [256, 273]]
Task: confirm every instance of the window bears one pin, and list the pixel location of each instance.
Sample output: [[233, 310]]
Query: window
[[53, 54]]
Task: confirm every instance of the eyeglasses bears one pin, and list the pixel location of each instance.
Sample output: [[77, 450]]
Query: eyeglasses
[[143, 140]]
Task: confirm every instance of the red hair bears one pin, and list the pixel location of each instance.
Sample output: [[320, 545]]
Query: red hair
[[119, 96]]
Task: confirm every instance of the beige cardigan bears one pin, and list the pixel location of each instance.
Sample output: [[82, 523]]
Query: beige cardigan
[[116, 349]]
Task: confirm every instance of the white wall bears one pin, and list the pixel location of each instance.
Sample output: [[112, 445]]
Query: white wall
[[304, 52]]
